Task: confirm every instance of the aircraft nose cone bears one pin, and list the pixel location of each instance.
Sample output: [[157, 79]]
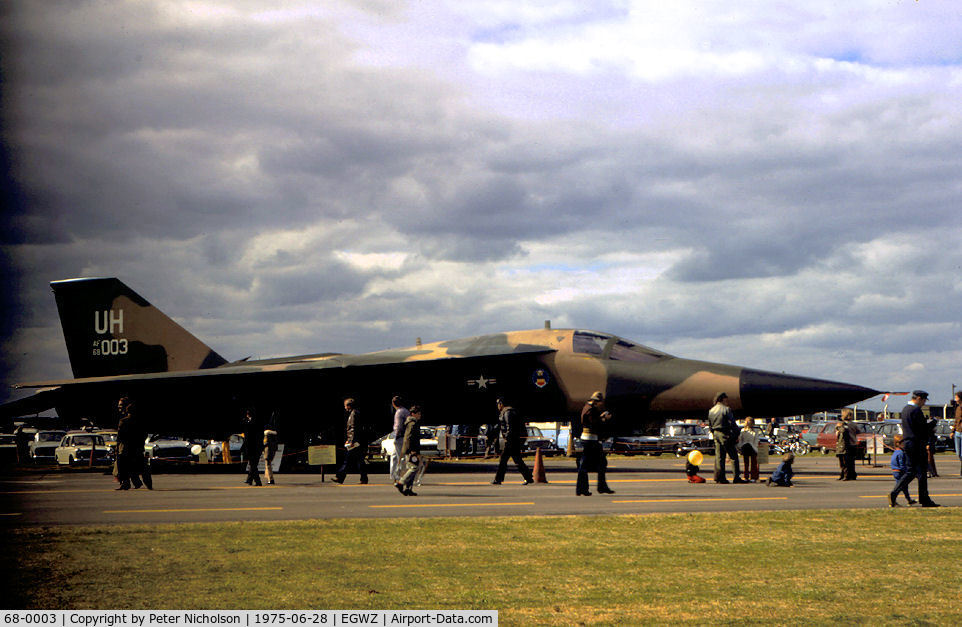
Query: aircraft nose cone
[[774, 394]]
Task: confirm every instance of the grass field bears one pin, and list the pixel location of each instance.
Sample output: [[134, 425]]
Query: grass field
[[852, 566]]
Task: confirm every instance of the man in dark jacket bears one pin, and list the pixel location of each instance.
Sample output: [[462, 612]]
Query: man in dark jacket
[[593, 459], [512, 430], [355, 443], [253, 438], [915, 438], [131, 435], [126, 444]]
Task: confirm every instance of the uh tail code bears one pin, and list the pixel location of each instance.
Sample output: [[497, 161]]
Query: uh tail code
[[109, 321]]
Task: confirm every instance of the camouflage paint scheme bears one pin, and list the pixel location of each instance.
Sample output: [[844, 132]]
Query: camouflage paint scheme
[[120, 344]]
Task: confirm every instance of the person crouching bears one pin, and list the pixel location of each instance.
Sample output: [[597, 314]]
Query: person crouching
[[782, 476], [692, 471]]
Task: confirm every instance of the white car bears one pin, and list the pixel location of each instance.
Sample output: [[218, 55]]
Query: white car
[[429, 443], [235, 443], [166, 449], [43, 444], [75, 450]]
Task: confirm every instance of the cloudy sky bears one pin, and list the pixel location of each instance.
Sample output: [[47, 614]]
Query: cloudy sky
[[757, 183]]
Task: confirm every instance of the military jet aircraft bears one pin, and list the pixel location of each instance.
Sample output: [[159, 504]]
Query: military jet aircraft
[[119, 344]]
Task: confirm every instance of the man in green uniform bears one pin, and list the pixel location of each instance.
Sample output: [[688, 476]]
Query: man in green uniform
[[721, 420]]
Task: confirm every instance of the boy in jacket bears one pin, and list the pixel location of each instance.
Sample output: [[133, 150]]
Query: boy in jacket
[[900, 466]]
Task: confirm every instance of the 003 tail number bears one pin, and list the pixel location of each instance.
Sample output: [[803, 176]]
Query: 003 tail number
[[110, 347]]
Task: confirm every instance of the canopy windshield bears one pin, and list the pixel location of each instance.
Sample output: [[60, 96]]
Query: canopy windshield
[[593, 343]]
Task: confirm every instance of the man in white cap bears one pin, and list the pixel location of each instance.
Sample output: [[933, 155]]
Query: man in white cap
[[915, 437]]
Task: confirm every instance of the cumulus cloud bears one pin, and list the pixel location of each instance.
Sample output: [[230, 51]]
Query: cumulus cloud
[[742, 183]]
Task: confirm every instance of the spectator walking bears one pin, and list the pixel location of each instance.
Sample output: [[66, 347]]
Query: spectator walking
[[748, 439], [594, 420], [130, 465], [512, 430], [401, 414], [915, 437], [270, 446], [721, 421], [410, 452], [900, 466], [253, 438], [355, 444]]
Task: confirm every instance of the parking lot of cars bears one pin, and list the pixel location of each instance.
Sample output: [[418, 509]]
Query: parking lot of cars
[[59, 447]]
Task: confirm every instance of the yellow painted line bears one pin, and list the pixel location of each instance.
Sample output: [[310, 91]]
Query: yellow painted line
[[755, 498], [12, 514], [563, 481], [450, 505], [885, 496], [200, 509]]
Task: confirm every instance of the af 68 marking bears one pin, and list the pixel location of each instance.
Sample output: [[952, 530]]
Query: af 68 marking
[[108, 348]]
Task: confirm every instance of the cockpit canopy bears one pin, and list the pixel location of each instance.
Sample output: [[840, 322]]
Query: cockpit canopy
[[613, 347]]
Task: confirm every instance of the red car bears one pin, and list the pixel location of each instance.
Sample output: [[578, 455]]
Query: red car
[[826, 438]]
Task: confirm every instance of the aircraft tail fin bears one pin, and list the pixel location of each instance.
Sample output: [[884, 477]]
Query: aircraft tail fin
[[111, 330]]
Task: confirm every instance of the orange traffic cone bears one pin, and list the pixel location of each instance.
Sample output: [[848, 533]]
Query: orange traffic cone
[[539, 468]]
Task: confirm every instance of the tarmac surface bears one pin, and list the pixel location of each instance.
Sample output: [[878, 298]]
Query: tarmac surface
[[643, 485]]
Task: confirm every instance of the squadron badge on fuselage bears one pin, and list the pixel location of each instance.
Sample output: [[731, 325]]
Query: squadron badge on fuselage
[[540, 378]]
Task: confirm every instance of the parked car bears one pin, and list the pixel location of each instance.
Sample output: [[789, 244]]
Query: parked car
[[75, 449], [163, 449], [827, 439], [235, 445], [429, 443], [41, 448], [636, 444], [110, 438], [682, 438], [811, 436], [537, 440], [888, 429], [943, 436]]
